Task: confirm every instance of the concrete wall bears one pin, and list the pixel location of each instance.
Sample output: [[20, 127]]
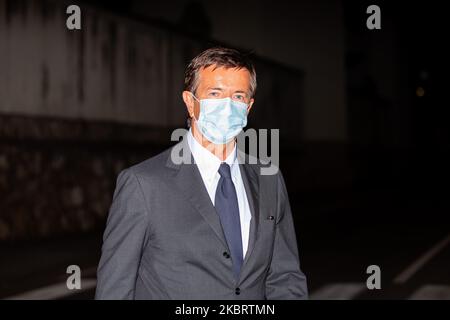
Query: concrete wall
[[115, 69], [307, 35], [76, 107]]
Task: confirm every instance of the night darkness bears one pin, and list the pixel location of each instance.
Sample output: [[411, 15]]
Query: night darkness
[[363, 118]]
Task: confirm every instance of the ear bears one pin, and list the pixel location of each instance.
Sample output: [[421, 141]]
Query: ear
[[189, 102], [249, 107]]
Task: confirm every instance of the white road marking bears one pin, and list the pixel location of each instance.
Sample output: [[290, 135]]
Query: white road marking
[[432, 292], [338, 291], [54, 291], [419, 263]]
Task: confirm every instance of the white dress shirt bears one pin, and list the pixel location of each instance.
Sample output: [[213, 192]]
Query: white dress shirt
[[208, 165]]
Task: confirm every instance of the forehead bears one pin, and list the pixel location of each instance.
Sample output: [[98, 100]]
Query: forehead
[[224, 77]]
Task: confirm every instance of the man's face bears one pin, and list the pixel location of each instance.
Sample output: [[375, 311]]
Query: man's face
[[218, 83]]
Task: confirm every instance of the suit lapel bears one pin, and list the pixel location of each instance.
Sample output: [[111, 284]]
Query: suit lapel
[[190, 184], [251, 185]]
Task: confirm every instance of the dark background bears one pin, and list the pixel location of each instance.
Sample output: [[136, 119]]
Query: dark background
[[363, 120]]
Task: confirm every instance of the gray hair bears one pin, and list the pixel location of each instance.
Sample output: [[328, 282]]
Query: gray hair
[[218, 57]]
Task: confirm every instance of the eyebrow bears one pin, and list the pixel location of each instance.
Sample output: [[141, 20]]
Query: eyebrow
[[221, 89]]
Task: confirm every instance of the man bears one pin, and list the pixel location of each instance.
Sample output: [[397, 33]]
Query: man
[[210, 228]]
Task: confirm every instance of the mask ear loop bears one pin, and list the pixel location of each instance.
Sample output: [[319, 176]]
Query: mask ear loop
[[193, 114]]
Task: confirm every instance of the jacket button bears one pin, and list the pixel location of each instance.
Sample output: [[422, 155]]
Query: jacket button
[[237, 291], [226, 254]]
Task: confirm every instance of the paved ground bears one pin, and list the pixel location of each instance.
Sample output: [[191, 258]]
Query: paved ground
[[406, 234]]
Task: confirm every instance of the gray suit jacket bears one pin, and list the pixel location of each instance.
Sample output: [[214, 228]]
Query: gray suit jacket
[[163, 238]]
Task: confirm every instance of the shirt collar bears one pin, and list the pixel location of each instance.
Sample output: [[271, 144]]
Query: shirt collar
[[207, 162]]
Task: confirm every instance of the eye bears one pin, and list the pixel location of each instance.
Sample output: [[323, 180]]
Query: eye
[[239, 97], [213, 94]]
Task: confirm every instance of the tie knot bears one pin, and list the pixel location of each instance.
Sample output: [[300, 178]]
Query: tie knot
[[224, 170]]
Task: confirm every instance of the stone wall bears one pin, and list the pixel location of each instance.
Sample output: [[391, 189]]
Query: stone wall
[[57, 176]]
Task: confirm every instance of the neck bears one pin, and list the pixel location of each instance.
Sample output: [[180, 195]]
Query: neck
[[221, 151]]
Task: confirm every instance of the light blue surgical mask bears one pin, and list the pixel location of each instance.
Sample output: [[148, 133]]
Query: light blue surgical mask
[[221, 120]]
